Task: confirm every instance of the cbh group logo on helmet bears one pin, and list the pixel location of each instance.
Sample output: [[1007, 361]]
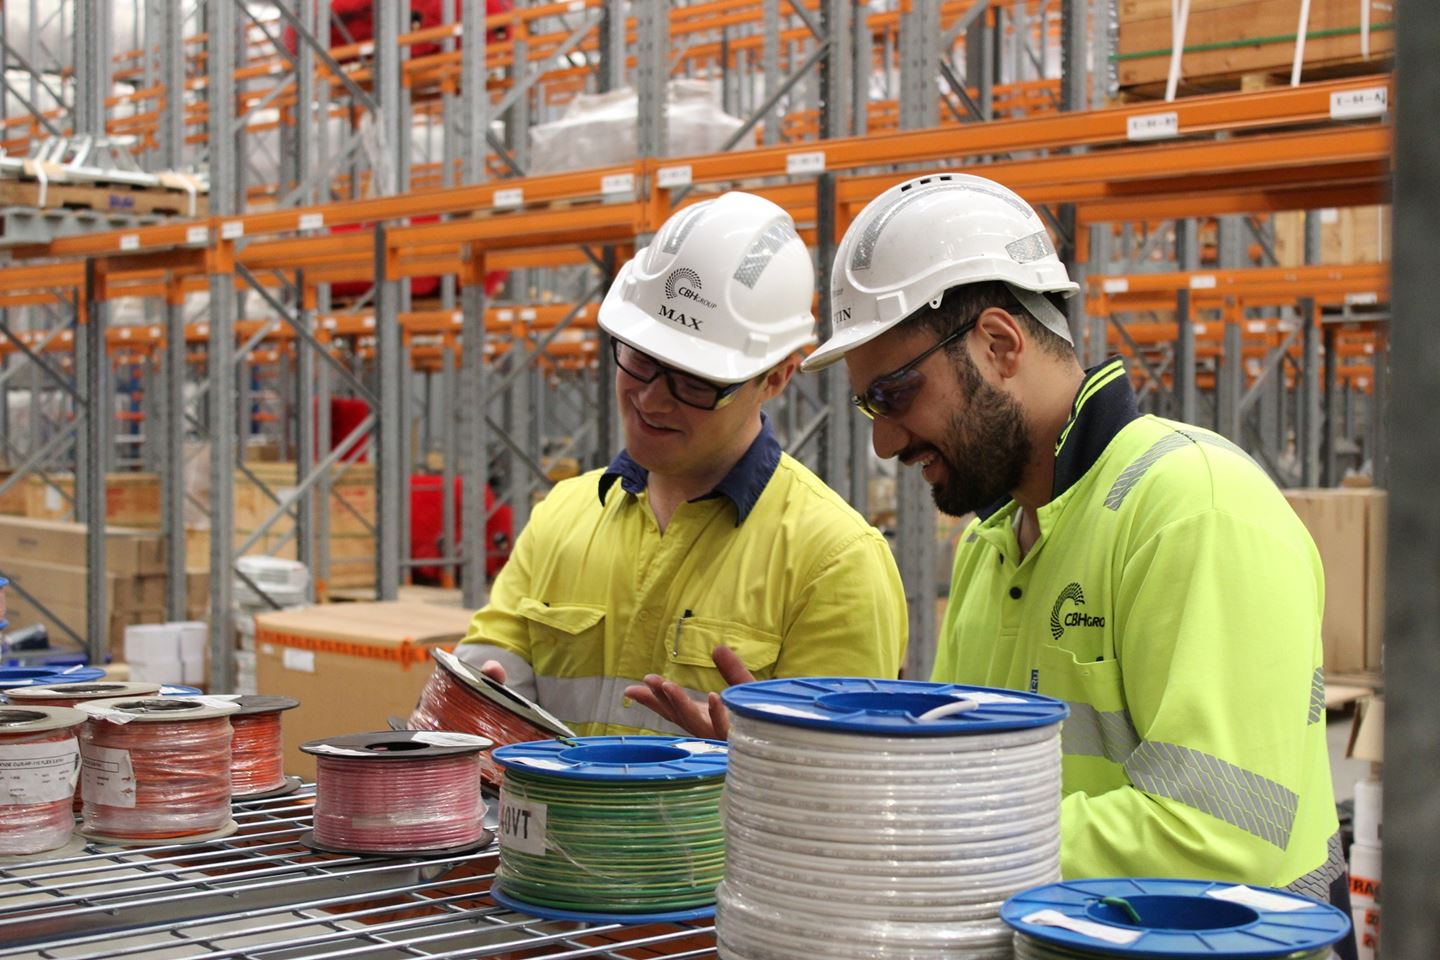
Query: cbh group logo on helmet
[[1074, 618], [684, 284]]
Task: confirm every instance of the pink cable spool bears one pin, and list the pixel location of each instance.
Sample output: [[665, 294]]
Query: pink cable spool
[[257, 763], [398, 793], [39, 763], [156, 769], [72, 694], [461, 699]]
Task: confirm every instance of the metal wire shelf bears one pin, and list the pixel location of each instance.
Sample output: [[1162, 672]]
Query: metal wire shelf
[[262, 894]]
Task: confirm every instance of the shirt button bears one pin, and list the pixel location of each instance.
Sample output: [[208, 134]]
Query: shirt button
[[1014, 593], [644, 615]]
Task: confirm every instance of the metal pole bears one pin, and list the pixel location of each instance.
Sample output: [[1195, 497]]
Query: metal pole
[[388, 473], [652, 59], [305, 444], [172, 430], [1186, 388], [172, 78], [1309, 439], [1330, 397], [90, 367]]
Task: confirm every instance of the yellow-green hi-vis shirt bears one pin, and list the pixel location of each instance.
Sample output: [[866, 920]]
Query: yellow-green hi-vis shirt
[[1173, 599], [773, 564]]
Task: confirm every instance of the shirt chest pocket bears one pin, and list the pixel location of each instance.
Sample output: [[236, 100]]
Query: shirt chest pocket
[[566, 639], [693, 639]]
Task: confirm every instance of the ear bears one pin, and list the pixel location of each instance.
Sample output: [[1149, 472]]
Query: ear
[[778, 376], [999, 342]]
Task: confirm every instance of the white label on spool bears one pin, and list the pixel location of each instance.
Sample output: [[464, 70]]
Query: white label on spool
[[784, 711], [543, 764], [108, 776], [1261, 899], [522, 825], [38, 772], [980, 696], [1086, 928], [702, 747], [302, 660], [437, 739], [341, 751]]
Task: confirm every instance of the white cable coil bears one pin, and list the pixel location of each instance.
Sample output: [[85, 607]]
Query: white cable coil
[[871, 847]]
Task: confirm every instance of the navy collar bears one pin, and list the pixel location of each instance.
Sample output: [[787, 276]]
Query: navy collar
[[1103, 405], [742, 486]]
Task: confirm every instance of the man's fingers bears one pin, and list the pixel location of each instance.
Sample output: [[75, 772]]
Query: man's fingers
[[493, 670], [732, 668], [719, 718]]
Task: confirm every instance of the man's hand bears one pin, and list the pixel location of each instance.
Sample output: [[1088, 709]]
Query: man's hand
[[493, 670], [709, 720]]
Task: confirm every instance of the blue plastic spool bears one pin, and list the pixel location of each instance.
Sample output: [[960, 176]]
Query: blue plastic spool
[[635, 759], [890, 707], [40, 676], [1179, 920], [613, 759]]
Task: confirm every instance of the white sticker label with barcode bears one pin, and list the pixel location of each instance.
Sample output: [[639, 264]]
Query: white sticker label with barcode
[[38, 772], [509, 197], [810, 162], [107, 776], [312, 221], [617, 183], [129, 241], [197, 235], [1086, 928], [1261, 899], [1153, 126], [1369, 102], [522, 825], [232, 229], [301, 660], [670, 177]]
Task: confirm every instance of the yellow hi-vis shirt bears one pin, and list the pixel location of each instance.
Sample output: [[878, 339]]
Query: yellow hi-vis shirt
[[1174, 600], [593, 597]]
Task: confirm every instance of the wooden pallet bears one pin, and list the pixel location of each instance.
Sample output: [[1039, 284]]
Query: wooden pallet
[[114, 198]]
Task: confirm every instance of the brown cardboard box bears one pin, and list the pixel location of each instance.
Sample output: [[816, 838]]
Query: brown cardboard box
[[131, 499], [1348, 527], [351, 666], [128, 552]]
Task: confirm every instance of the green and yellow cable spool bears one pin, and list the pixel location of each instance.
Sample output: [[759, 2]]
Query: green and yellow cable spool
[[612, 829]]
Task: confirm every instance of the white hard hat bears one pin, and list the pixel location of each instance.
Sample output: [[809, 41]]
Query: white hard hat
[[723, 292], [922, 237]]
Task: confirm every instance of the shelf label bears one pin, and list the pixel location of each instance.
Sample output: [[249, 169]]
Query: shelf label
[[522, 825], [312, 221], [129, 241], [811, 162], [197, 235], [1369, 102], [617, 183], [38, 772], [670, 177], [1361, 299], [1116, 286], [232, 229], [1153, 126], [1202, 281], [509, 197]]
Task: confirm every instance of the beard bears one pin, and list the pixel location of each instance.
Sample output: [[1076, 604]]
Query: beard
[[985, 449]]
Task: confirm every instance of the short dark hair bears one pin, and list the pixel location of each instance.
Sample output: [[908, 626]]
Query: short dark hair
[[964, 303]]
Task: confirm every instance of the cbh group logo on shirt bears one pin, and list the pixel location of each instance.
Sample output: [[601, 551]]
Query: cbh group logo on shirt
[[1075, 618]]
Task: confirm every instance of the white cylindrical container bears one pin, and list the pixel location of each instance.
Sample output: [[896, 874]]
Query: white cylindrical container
[[1367, 812], [1364, 874]]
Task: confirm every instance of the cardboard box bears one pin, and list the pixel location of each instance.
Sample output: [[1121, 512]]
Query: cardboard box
[[131, 499], [351, 665], [1348, 527], [127, 551]]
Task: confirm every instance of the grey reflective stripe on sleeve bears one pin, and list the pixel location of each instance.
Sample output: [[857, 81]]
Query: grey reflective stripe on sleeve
[[1088, 732], [1132, 474], [578, 700], [1317, 695], [763, 250], [1215, 440], [1316, 884], [1254, 804]]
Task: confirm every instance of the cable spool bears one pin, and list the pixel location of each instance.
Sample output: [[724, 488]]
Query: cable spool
[[459, 698], [884, 818], [15, 677], [257, 763], [72, 694], [398, 792], [611, 829], [39, 763], [156, 769], [1150, 919]]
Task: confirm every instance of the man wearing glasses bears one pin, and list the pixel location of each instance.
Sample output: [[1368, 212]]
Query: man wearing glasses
[[1145, 571], [703, 553]]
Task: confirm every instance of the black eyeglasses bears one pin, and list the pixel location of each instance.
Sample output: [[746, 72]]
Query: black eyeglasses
[[891, 394], [691, 391]]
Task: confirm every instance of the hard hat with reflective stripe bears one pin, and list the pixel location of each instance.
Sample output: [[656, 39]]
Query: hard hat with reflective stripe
[[723, 292], [930, 234]]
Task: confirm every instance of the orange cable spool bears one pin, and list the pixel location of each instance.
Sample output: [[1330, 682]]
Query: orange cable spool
[[257, 764], [398, 792], [39, 760], [459, 698], [156, 769]]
